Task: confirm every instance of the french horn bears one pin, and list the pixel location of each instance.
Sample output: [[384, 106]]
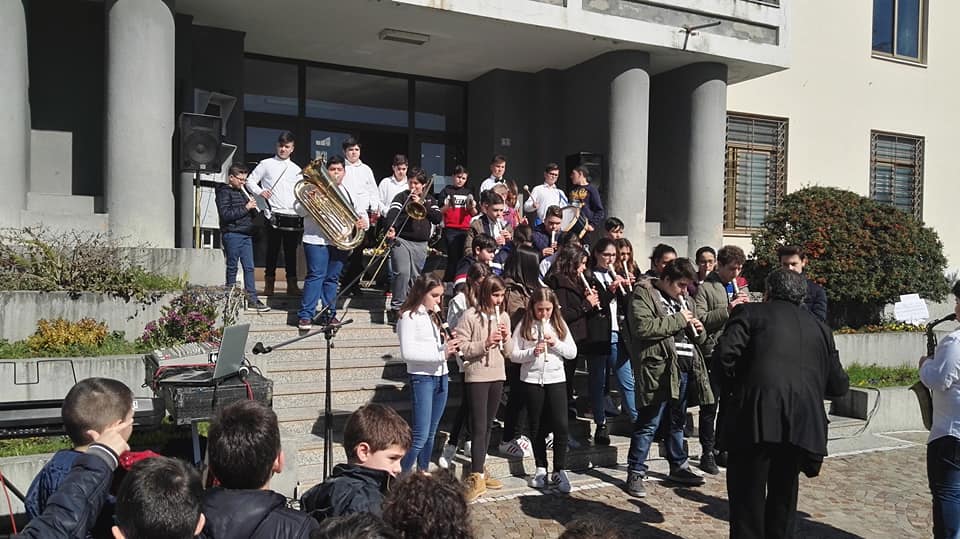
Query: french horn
[[321, 197]]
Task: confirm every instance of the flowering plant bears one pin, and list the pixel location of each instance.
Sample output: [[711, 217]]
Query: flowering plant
[[193, 317]]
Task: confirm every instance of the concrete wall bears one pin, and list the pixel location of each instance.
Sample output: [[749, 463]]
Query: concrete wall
[[897, 409], [834, 93], [891, 349], [20, 311], [201, 267]]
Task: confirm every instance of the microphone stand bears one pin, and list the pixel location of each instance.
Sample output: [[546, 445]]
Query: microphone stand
[[329, 332]]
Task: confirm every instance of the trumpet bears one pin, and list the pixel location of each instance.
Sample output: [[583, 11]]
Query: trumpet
[[418, 210]]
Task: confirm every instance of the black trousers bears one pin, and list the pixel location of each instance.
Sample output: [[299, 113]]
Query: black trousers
[[762, 483], [459, 420], [484, 400], [455, 240], [354, 266], [290, 241], [512, 413], [547, 412], [708, 420]]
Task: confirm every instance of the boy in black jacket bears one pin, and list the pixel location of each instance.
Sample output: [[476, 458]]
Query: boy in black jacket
[[376, 439], [236, 210], [244, 451]]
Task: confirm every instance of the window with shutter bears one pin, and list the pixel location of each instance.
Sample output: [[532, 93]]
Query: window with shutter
[[896, 171], [755, 173]]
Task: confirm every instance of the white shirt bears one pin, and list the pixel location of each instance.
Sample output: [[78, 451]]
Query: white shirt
[[312, 233], [420, 344], [546, 368], [362, 186], [489, 183], [389, 189], [941, 374], [545, 196], [279, 176]]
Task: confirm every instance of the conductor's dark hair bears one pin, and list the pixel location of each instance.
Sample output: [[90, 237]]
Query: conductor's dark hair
[[422, 505], [243, 442], [786, 285], [160, 498]]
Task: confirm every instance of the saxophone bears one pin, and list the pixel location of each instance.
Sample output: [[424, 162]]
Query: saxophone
[[923, 393]]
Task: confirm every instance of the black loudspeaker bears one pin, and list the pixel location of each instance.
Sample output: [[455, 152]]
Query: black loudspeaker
[[594, 165], [199, 142]]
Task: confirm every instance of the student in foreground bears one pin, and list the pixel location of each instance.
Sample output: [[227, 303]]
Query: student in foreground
[[244, 451], [375, 438]]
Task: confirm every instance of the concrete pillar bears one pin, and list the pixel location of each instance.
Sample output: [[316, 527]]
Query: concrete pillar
[[708, 120], [629, 122], [14, 114], [140, 121]]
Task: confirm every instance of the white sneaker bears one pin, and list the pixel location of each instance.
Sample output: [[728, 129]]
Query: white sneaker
[[550, 441], [561, 480], [526, 445], [539, 479], [511, 449], [446, 457]]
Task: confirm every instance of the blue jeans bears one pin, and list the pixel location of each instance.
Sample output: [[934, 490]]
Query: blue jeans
[[429, 396], [238, 247], [648, 419], [619, 363], [324, 265], [943, 476]]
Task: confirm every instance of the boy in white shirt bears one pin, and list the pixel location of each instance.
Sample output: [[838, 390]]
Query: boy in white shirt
[[498, 166], [362, 186], [546, 194]]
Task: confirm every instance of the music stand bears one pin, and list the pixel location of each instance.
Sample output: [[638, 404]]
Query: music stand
[[329, 332]]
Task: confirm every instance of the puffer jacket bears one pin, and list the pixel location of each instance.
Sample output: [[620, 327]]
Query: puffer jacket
[[232, 210], [253, 514], [546, 368], [653, 354], [351, 488]]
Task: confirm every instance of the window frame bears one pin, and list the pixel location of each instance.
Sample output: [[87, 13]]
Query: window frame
[[921, 58], [778, 177], [918, 166]]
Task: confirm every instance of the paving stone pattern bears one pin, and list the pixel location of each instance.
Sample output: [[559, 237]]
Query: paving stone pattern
[[876, 494]]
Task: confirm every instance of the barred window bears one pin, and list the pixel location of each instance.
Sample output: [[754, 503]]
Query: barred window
[[756, 170], [896, 171]]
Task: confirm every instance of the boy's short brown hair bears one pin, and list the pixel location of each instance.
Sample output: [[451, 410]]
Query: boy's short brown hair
[[92, 404], [376, 425]]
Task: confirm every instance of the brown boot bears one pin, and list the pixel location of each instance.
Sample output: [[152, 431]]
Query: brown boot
[[475, 487], [292, 288], [490, 482], [268, 287]]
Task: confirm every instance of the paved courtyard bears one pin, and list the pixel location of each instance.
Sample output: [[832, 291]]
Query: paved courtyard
[[879, 491]]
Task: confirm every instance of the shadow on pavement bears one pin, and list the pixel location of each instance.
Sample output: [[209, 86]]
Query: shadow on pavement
[[564, 509]]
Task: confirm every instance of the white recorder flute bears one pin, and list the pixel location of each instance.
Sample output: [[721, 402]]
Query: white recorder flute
[[540, 339], [553, 238], [626, 273], [683, 304], [736, 289], [586, 284], [497, 310], [613, 276], [243, 189], [446, 328]]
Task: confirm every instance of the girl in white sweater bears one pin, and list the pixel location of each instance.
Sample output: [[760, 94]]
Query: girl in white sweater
[[425, 353], [541, 343]]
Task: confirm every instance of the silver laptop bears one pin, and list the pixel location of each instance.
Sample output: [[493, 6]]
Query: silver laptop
[[229, 358]]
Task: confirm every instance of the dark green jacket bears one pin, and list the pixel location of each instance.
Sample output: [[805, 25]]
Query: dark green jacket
[[711, 303], [653, 355]]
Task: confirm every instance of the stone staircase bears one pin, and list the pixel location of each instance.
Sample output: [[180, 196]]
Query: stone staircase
[[366, 367]]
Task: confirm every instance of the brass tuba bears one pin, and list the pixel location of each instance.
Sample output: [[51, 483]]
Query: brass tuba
[[321, 197]]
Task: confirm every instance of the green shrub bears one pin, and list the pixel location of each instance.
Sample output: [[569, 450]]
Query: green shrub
[[193, 317], [876, 376], [37, 259], [863, 253], [62, 338]]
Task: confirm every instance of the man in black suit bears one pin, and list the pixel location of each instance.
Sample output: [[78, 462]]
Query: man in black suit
[[793, 258], [776, 364]]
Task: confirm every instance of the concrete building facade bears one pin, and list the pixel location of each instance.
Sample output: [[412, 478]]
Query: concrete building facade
[[867, 103], [639, 85]]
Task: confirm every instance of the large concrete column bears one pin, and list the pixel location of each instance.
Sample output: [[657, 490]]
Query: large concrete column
[[140, 121], [14, 113], [629, 122], [708, 120]]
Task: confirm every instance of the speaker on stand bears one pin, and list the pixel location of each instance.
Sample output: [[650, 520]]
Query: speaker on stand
[[200, 152]]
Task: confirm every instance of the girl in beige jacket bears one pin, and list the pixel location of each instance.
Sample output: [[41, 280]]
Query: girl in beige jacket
[[484, 331]]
